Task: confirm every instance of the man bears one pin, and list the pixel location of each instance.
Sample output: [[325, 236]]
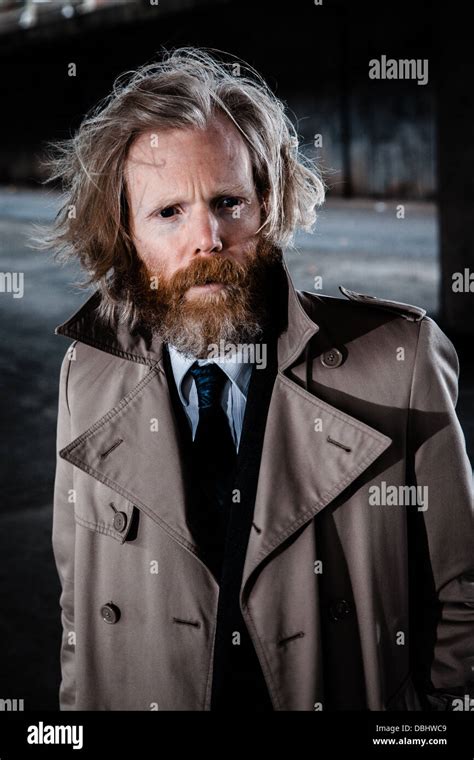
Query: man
[[262, 499]]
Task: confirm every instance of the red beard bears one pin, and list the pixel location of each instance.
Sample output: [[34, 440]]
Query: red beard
[[238, 313]]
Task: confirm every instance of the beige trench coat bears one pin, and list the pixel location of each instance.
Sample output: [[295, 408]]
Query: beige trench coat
[[338, 435]]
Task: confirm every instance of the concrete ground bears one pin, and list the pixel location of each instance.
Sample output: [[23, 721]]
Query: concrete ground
[[359, 244]]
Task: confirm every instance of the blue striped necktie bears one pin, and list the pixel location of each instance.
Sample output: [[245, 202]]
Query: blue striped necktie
[[214, 460]]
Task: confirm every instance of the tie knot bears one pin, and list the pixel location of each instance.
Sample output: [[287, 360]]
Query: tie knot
[[210, 380]]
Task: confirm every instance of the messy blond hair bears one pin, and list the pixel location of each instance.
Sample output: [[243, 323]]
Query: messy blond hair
[[186, 88]]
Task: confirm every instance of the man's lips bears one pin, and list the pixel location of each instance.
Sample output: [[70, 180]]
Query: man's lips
[[209, 287]]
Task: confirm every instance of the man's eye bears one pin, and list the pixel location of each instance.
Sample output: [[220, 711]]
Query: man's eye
[[229, 202], [232, 201], [164, 213]]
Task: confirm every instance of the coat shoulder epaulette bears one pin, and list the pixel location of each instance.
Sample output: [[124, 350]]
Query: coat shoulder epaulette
[[405, 310]]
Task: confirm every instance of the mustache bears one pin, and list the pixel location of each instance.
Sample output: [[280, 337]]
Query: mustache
[[201, 271]]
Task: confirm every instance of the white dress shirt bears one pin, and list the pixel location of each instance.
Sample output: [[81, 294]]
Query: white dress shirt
[[234, 394]]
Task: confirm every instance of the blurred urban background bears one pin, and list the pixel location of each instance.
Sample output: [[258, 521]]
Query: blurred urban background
[[397, 157]]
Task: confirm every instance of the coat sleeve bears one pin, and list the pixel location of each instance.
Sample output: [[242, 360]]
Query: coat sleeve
[[441, 537], [63, 540]]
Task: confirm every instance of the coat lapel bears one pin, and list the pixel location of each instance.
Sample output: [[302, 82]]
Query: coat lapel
[[311, 453], [134, 450]]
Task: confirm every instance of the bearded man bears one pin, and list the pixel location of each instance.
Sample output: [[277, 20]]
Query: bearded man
[[221, 527]]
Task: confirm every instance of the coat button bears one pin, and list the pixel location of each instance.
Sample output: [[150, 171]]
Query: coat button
[[331, 358], [110, 613], [339, 609], [120, 521]]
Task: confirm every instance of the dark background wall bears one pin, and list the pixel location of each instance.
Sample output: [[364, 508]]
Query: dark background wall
[[377, 140]]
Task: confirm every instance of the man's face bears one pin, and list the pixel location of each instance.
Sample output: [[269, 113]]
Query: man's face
[[194, 216]]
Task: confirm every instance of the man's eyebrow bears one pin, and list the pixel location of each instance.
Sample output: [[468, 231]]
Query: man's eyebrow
[[218, 193], [231, 189]]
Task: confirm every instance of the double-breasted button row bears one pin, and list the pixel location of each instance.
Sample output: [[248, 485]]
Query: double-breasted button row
[[338, 610]]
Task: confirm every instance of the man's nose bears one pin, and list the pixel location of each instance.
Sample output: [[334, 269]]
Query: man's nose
[[206, 234]]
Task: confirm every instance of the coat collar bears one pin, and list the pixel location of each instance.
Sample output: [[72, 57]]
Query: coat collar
[[85, 326]]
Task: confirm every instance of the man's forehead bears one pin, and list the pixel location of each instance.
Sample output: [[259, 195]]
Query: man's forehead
[[165, 147]]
